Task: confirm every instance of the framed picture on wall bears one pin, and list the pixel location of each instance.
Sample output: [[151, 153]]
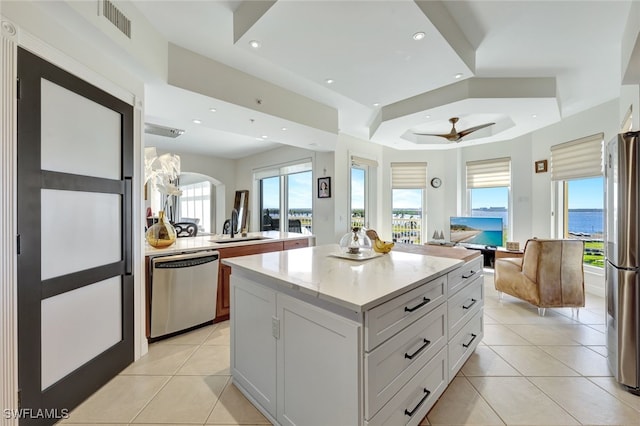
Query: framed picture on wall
[[541, 166], [324, 187]]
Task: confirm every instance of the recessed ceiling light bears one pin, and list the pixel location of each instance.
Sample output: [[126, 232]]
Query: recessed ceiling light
[[195, 120], [376, 104], [255, 44], [284, 129], [212, 109], [329, 81], [534, 116], [459, 75], [265, 136], [427, 116], [418, 36]]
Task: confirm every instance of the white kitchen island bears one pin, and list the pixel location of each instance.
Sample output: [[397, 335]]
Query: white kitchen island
[[321, 340]]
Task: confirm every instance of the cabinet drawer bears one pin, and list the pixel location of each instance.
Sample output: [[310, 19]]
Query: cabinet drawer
[[388, 319], [459, 278], [464, 304], [415, 399], [462, 345], [294, 244], [393, 363]]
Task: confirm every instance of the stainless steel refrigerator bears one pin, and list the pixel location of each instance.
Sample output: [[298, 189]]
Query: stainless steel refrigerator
[[622, 250]]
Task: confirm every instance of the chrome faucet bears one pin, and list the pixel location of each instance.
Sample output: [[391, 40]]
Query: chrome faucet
[[234, 222]]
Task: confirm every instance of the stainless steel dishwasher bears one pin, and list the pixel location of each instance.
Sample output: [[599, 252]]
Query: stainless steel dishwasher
[[183, 291]]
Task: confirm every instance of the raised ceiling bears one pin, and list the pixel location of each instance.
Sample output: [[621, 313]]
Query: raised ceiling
[[521, 64]]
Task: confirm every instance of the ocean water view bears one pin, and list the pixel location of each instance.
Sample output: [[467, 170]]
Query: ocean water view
[[581, 221], [586, 221]]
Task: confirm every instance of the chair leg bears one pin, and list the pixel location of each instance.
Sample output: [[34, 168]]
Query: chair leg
[[575, 312], [541, 311], [500, 295]]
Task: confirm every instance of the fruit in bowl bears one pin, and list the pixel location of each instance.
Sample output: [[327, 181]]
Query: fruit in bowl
[[379, 246]]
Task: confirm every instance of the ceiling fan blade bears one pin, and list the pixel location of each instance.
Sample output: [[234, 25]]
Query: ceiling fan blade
[[465, 132], [445, 135]]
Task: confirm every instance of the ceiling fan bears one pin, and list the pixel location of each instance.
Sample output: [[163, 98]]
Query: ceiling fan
[[454, 135]]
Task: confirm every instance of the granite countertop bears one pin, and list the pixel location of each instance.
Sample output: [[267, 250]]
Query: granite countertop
[[353, 284], [208, 242]]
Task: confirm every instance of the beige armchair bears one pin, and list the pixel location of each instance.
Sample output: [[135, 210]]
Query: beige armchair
[[549, 275]]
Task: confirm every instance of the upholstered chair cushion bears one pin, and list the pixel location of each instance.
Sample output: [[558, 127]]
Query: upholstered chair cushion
[[550, 274]]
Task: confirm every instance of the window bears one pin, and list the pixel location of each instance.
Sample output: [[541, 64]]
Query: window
[[287, 188], [362, 186], [584, 216], [358, 196], [577, 169], [408, 182], [195, 205], [488, 185]]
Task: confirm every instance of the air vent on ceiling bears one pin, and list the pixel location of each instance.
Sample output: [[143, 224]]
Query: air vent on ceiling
[[115, 16], [155, 129]]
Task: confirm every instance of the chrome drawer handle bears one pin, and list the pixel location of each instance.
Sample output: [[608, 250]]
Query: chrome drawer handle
[[473, 302], [471, 273], [473, 337], [420, 349], [418, 306], [424, 398]]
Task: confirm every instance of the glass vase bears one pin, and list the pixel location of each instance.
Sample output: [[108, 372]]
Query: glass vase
[[162, 233]]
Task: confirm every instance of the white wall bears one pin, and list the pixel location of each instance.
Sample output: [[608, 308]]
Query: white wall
[[221, 170]]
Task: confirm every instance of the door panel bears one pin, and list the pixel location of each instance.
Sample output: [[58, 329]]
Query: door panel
[[78, 325], [75, 286], [83, 138]]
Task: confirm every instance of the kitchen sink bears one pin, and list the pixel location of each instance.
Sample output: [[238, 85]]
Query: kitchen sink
[[238, 240]]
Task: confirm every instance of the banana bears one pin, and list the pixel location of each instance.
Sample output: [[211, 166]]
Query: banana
[[382, 246], [379, 246]]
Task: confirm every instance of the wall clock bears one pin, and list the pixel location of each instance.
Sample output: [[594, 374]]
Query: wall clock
[[436, 182]]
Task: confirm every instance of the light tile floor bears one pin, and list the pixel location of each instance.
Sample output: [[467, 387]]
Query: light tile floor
[[528, 370]]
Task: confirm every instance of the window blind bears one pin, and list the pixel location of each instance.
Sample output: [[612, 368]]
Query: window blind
[[577, 159], [283, 169], [359, 161], [408, 175], [489, 173]]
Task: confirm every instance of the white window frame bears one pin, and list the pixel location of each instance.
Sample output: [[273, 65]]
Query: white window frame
[[370, 168], [282, 171], [498, 182], [413, 175]]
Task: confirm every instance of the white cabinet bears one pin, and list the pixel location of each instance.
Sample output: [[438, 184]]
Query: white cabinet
[[318, 366], [464, 307], [300, 363], [253, 347]]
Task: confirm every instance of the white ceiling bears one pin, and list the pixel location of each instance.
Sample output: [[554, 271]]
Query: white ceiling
[[367, 48]]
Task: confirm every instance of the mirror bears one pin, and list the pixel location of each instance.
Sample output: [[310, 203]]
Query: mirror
[[241, 204]]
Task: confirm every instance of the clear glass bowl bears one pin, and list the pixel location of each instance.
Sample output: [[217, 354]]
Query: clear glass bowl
[[356, 243]]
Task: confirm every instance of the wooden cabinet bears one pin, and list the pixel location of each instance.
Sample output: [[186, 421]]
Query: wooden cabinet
[[294, 244]]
